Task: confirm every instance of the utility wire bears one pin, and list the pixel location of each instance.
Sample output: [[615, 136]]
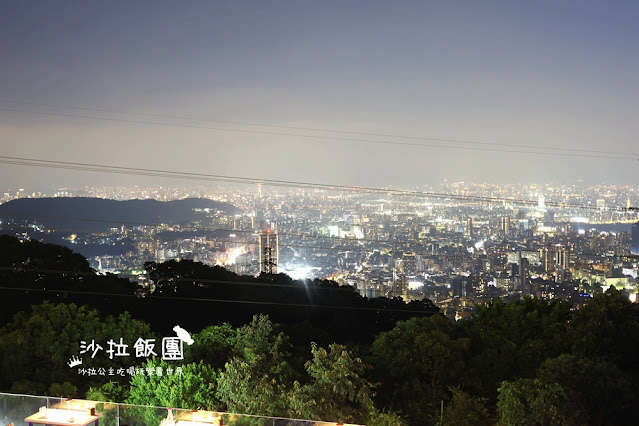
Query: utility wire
[[234, 301], [270, 182], [381, 135], [178, 279], [67, 165], [625, 156]]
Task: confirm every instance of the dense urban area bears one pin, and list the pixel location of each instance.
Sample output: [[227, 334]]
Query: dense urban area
[[456, 244]]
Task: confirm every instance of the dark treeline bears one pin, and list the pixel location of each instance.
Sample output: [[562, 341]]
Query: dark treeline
[[193, 294], [526, 362]]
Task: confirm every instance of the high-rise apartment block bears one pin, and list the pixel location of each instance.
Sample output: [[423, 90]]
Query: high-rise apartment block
[[269, 251]]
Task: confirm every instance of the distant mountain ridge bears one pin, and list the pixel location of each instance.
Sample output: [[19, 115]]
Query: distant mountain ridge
[[100, 214]]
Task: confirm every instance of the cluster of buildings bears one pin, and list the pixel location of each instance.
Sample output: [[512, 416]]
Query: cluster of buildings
[[569, 242]]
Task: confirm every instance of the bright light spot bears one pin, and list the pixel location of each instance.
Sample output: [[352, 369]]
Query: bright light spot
[[298, 272], [414, 285]]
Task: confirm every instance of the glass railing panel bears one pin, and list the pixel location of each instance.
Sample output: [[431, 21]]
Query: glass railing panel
[[15, 408]]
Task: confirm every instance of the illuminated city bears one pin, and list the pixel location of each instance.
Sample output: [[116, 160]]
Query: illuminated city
[[324, 213], [530, 240]]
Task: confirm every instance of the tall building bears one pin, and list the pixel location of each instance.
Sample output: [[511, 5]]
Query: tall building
[[523, 283], [410, 263], [505, 226], [562, 256], [568, 229], [462, 286], [269, 251], [400, 286], [635, 239], [622, 244], [601, 203], [469, 228], [548, 258], [562, 263]]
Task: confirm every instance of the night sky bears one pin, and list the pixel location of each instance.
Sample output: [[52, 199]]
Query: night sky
[[558, 74]]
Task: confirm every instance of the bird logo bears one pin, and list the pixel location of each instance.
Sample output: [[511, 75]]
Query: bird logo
[[183, 334]]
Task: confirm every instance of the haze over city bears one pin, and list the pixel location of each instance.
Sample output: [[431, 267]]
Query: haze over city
[[549, 74]]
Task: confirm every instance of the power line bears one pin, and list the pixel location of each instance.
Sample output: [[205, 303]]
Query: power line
[[271, 182], [67, 165], [383, 135], [626, 156], [178, 279], [234, 301]]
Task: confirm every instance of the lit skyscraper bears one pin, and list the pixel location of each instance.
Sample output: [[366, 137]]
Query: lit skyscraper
[[469, 228], [548, 258], [505, 226], [269, 251], [562, 262], [601, 204], [541, 203]]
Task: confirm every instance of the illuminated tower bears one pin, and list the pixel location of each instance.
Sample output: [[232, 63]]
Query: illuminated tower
[[400, 285], [562, 262], [469, 228], [548, 258], [505, 226], [259, 190], [269, 251]]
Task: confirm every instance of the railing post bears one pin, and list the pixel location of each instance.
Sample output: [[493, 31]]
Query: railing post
[[117, 407]]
